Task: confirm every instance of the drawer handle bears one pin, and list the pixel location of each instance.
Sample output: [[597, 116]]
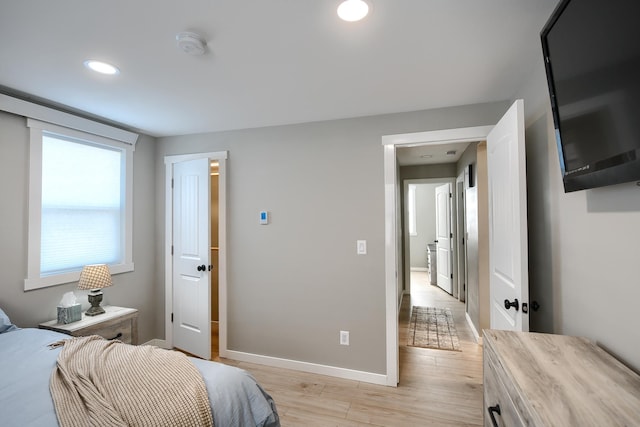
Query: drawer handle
[[116, 337], [491, 410]]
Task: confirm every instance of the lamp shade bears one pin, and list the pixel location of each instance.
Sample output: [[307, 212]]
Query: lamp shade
[[95, 276]]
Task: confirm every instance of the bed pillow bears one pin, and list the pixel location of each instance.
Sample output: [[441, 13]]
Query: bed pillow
[[5, 323]]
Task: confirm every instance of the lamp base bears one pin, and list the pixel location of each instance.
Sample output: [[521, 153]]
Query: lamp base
[[95, 298]]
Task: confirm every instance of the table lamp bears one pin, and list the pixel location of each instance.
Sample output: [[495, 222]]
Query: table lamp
[[95, 277]]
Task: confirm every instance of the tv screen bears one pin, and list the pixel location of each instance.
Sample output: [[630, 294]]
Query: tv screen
[[592, 57]]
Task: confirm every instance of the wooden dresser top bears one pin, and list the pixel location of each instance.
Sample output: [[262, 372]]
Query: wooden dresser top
[[566, 381]]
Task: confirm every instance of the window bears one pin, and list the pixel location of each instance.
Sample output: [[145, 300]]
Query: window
[[411, 201], [80, 209]]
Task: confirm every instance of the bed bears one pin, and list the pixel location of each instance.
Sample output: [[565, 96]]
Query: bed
[[27, 362]]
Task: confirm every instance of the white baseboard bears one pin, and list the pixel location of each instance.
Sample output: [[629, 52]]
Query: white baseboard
[[402, 298], [295, 365], [158, 343], [313, 368], [419, 269], [473, 329]]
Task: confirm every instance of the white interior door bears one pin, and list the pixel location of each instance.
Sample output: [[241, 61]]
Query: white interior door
[[508, 254], [444, 238], [191, 257]]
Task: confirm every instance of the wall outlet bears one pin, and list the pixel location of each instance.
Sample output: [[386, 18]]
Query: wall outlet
[[344, 337]]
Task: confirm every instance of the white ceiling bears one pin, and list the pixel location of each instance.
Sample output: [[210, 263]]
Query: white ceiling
[[430, 154], [269, 62]]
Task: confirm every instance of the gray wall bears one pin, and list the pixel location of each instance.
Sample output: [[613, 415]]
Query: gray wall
[[134, 289], [294, 284], [583, 246]]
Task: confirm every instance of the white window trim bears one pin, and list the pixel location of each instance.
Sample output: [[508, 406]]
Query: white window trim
[[34, 280], [50, 115]]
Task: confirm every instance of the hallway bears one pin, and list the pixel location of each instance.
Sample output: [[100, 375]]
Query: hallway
[[449, 380], [423, 293]]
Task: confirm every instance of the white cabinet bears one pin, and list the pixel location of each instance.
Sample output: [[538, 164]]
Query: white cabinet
[[432, 264]]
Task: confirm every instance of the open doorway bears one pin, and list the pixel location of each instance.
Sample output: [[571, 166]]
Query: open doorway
[[423, 264], [420, 234], [215, 250], [395, 173], [501, 220], [195, 293]]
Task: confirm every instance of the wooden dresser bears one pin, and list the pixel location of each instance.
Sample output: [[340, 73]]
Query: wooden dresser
[[119, 323], [533, 379]]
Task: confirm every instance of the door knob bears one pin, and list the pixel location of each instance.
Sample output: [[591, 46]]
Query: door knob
[[515, 304], [202, 267]]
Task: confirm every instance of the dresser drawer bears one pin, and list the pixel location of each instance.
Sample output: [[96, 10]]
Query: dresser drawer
[[122, 331], [496, 395]]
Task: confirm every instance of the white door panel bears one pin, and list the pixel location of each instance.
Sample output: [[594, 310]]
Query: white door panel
[[191, 257], [444, 238], [508, 263]]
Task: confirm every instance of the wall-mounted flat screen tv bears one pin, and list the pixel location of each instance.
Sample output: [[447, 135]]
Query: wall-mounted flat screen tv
[[592, 57]]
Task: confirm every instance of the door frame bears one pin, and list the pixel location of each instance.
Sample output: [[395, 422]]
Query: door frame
[[461, 248], [391, 202], [221, 157]]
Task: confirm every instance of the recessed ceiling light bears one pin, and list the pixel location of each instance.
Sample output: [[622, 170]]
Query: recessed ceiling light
[[353, 10], [101, 67]]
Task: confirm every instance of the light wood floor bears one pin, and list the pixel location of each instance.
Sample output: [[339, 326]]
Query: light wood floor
[[437, 387]]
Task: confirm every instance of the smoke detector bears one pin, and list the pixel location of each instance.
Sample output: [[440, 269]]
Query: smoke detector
[[191, 43]]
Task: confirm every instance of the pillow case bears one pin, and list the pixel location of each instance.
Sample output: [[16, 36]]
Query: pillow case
[[5, 323]]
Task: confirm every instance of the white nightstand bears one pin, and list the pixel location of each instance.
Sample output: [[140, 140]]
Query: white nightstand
[[116, 323]]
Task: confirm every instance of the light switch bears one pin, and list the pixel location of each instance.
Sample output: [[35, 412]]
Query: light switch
[[362, 247]]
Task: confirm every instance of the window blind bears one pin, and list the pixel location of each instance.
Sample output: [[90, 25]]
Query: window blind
[[82, 205]]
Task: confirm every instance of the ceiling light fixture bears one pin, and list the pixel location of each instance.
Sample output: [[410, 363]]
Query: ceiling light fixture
[[101, 67], [353, 10], [191, 43]]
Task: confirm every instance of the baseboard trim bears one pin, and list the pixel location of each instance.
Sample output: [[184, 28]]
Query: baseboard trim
[[473, 329], [312, 368], [419, 269], [158, 343], [401, 299]]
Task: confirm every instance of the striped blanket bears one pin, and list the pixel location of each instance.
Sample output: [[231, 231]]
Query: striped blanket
[[108, 383]]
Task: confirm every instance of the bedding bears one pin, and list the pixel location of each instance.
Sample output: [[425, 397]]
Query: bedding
[[98, 380], [27, 363], [5, 323]]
